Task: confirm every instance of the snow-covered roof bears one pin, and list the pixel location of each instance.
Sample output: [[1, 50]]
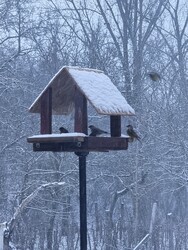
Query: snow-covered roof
[[94, 84]]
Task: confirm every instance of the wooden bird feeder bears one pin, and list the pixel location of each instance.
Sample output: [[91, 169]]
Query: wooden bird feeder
[[71, 89]]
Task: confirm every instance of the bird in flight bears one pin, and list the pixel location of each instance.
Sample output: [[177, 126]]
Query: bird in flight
[[96, 131], [63, 130], [154, 76], [133, 135]]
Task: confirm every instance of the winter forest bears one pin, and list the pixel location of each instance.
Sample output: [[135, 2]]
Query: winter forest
[[137, 198]]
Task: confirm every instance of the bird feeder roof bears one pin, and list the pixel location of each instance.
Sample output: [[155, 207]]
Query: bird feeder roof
[[93, 84]]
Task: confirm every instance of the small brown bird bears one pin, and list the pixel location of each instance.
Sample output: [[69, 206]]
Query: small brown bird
[[63, 130], [154, 76], [96, 131], [133, 135]]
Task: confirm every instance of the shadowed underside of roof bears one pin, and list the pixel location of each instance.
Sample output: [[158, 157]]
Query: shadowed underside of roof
[[94, 84]]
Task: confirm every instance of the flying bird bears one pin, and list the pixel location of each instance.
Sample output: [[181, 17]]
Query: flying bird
[[154, 76], [63, 130], [133, 135], [96, 131]]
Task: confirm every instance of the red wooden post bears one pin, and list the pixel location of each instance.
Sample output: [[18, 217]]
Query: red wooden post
[[115, 125], [81, 120], [46, 112]]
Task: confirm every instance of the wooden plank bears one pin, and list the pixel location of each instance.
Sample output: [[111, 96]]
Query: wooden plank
[[115, 125], [80, 120], [46, 112], [106, 143], [98, 144]]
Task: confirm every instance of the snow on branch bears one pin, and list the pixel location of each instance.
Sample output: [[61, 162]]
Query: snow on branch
[[122, 192], [28, 199], [11, 144]]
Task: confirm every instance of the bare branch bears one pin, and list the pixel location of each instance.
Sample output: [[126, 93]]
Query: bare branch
[[28, 199], [110, 30]]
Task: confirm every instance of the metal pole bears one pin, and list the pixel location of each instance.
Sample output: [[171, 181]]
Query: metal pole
[[83, 199]]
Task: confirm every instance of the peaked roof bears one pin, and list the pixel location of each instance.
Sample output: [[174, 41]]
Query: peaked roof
[[94, 84]]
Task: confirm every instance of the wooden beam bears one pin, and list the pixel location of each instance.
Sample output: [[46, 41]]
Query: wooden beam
[[46, 112], [97, 144], [106, 143], [115, 125], [80, 120]]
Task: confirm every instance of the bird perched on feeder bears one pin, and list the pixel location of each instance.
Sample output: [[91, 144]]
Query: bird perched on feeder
[[96, 131], [63, 130], [154, 76], [133, 135]]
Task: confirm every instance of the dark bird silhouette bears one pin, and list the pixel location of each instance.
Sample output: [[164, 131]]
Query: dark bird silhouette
[[96, 131], [63, 130], [154, 76], [133, 135]]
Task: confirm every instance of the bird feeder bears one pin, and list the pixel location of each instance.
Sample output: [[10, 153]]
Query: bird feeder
[[72, 88]]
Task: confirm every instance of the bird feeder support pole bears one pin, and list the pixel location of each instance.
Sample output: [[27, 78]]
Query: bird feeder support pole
[[83, 202], [81, 125], [83, 199]]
